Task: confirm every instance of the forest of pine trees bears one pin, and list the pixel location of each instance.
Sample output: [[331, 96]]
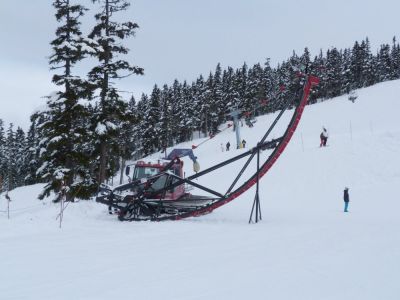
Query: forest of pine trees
[[89, 130]]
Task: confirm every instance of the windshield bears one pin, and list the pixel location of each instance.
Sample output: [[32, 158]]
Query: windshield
[[159, 183], [144, 172]]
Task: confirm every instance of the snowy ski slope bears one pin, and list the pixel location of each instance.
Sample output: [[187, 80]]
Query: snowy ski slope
[[306, 247]]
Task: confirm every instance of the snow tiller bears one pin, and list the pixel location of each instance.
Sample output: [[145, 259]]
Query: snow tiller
[[158, 190]]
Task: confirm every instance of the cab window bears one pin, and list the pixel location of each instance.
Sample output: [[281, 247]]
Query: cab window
[[144, 172]]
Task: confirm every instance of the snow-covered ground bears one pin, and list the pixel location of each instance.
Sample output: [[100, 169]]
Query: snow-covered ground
[[306, 247]]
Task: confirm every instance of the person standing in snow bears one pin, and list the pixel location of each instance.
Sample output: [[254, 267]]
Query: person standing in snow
[[228, 145], [244, 143], [346, 199], [324, 137]]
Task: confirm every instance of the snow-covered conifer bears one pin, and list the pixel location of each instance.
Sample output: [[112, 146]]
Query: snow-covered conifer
[[369, 64], [346, 72], [395, 58], [64, 166], [384, 63], [108, 33], [333, 73], [2, 156], [166, 117], [198, 89], [219, 104], [20, 157], [10, 171], [150, 125]]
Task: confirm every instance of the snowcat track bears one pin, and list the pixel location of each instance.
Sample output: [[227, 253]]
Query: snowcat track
[[156, 210]]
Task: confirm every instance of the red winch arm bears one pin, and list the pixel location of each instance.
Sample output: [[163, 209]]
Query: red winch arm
[[311, 81]]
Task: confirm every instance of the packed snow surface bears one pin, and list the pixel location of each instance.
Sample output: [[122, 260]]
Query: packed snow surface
[[305, 247]]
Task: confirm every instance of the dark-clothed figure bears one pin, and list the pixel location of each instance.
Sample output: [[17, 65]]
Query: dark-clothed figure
[[244, 143], [324, 137], [228, 145], [346, 199]]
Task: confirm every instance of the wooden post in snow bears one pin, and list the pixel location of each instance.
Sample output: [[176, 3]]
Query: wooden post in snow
[[8, 205], [62, 204]]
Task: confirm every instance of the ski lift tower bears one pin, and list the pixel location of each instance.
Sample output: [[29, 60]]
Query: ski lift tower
[[235, 116]]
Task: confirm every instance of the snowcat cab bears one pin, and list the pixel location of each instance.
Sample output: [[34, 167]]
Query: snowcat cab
[[144, 170]]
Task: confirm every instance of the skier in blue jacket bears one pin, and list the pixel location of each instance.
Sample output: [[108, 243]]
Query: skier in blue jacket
[[346, 199]]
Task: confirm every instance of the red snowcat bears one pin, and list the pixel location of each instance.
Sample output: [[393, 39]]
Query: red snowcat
[[155, 187]]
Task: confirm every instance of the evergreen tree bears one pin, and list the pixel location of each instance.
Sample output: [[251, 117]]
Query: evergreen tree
[[186, 118], [32, 157], [166, 118], [206, 108], [333, 73], [305, 62], [3, 161], [13, 153], [294, 67], [108, 34], [64, 165], [195, 102], [213, 96], [384, 63], [395, 59], [10, 176], [251, 92], [176, 93], [347, 76], [130, 131], [267, 87], [218, 95], [368, 71], [150, 125], [361, 65], [241, 86], [199, 89], [318, 69], [20, 157], [230, 95], [283, 79], [140, 109]]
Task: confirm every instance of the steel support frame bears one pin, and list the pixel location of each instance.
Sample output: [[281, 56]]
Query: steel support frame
[[273, 144]]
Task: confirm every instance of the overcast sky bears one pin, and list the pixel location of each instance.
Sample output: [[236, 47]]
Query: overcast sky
[[184, 38]]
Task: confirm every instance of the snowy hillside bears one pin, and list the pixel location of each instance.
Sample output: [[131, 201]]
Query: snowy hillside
[[306, 247]]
